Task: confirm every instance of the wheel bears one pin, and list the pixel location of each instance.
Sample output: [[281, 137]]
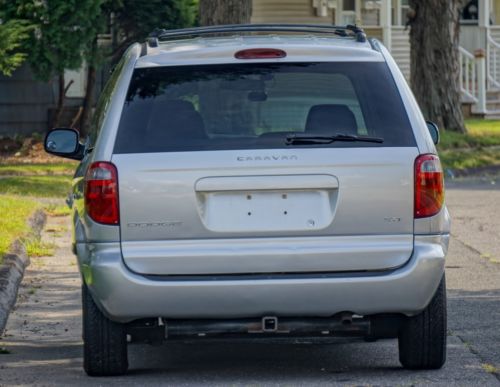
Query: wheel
[[104, 341], [422, 338]]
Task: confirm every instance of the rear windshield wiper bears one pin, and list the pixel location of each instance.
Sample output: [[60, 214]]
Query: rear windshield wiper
[[310, 139]]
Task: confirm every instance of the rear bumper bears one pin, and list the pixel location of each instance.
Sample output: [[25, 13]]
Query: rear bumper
[[268, 255], [125, 296]]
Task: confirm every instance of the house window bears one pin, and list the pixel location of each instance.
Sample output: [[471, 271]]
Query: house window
[[322, 7], [349, 5], [349, 12], [370, 12], [399, 12], [405, 7], [470, 12]]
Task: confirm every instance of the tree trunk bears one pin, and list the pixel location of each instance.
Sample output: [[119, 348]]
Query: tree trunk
[[435, 61], [60, 101], [215, 12], [88, 101]]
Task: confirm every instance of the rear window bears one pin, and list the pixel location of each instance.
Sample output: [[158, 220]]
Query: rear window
[[256, 106]]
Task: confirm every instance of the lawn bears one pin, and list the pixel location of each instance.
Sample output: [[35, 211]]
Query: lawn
[[37, 169], [478, 148], [50, 186], [21, 188], [14, 214]]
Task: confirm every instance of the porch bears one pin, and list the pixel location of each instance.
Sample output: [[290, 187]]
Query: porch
[[480, 61]]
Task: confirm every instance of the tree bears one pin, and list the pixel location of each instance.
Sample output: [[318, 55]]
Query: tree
[[12, 36], [63, 30], [435, 62], [64, 35], [134, 20], [213, 12], [131, 21]]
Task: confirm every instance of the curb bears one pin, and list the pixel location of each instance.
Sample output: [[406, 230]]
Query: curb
[[12, 269]]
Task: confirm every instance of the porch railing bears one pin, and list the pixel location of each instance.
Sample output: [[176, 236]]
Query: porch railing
[[468, 75], [493, 62], [473, 79]]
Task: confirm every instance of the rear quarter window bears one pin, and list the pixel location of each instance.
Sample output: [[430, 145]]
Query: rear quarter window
[[256, 106]]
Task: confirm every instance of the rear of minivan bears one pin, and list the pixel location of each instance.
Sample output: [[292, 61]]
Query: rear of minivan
[[264, 193], [207, 169]]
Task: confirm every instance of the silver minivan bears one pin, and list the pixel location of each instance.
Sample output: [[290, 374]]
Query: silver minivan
[[258, 181]]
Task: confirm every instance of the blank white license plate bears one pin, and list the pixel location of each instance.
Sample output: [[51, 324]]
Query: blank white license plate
[[267, 210]]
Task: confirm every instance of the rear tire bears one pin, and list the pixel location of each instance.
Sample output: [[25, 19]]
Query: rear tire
[[104, 341], [422, 338]]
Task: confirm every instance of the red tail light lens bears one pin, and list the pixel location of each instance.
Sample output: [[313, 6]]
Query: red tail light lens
[[101, 193], [429, 186], [260, 53]]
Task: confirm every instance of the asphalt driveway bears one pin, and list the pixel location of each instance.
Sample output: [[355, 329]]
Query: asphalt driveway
[[44, 344]]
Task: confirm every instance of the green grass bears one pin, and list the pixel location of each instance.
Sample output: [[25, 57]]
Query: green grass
[[480, 127], [37, 169], [37, 248], [57, 210], [452, 140], [14, 213], [36, 186], [480, 147], [480, 133], [20, 187], [469, 158]]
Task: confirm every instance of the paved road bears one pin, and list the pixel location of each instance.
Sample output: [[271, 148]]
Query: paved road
[[43, 334]]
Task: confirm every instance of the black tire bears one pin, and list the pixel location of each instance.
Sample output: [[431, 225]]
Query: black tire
[[104, 341], [422, 338]]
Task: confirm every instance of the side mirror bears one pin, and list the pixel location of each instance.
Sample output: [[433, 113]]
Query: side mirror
[[64, 142], [434, 131]]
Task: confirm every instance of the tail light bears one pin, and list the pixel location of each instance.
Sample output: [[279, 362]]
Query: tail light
[[429, 186], [260, 53], [101, 193]]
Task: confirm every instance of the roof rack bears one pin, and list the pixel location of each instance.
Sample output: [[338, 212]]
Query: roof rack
[[344, 31]]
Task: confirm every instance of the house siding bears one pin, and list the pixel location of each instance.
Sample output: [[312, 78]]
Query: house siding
[[297, 11], [287, 11]]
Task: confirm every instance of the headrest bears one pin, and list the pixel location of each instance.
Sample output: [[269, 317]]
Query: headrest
[[175, 121], [330, 120]]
